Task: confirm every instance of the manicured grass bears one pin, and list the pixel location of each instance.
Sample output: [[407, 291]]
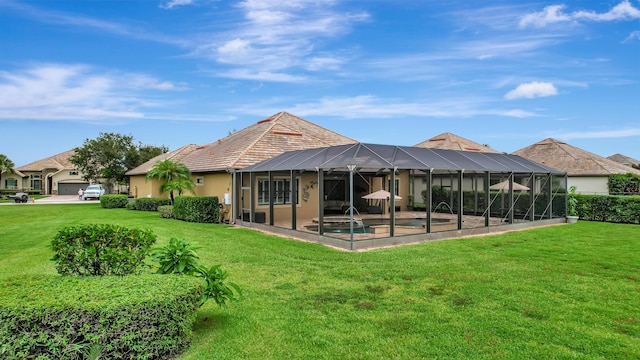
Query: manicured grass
[[570, 291]]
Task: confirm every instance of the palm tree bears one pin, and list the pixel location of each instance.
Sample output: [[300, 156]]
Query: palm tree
[[6, 166], [175, 175]]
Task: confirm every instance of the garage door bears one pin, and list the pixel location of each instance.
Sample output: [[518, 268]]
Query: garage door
[[71, 188]]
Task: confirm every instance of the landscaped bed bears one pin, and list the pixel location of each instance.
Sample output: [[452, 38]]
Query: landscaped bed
[[566, 291]]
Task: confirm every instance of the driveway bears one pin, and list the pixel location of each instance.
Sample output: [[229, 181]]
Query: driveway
[[56, 199]]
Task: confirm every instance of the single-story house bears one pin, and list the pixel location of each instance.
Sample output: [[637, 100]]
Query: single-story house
[[450, 141], [213, 166], [464, 193], [624, 160], [54, 175], [588, 172]]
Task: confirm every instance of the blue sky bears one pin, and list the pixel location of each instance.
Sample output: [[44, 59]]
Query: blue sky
[[502, 73]]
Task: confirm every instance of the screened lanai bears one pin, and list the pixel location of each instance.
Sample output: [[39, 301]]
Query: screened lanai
[[342, 195]]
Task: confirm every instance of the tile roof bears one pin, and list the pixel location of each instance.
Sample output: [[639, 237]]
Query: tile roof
[[57, 162], [176, 155], [623, 159], [574, 161], [449, 141], [265, 139]]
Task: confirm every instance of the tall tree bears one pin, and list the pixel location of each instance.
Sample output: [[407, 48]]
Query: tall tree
[[110, 156], [175, 176], [6, 165]]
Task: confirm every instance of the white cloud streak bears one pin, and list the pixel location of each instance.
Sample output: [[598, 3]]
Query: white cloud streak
[[601, 134], [279, 37], [532, 90], [373, 107], [173, 3], [77, 92], [553, 14]]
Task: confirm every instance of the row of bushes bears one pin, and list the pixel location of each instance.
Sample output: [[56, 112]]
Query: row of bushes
[[89, 313], [610, 208], [200, 209], [71, 317]]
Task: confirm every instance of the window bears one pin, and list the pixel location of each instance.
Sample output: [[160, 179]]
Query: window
[[200, 181], [73, 173], [397, 186], [11, 184], [35, 182], [282, 191]]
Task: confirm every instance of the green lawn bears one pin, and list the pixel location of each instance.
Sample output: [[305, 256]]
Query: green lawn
[[570, 291]]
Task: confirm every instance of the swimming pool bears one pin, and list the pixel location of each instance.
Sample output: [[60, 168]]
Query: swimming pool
[[365, 226]]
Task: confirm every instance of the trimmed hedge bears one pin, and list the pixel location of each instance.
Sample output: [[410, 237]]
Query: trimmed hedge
[[65, 317], [114, 201], [200, 209], [609, 208], [166, 211], [148, 204], [101, 249]]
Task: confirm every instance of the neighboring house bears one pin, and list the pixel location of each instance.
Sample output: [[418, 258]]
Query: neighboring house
[[446, 141], [55, 175], [213, 165], [588, 172], [624, 160], [449, 141]]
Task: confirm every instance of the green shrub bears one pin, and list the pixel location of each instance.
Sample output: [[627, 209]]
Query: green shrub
[[180, 257], [617, 209], [200, 209], [624, 184], [166, 211], [61, 317], [113, 201], [131, 205], [101, 249], [149, 204]]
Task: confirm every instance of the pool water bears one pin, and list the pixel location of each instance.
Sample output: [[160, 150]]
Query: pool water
[[343, 228]]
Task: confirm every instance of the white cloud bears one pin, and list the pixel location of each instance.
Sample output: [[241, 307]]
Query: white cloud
[[278, 37], [554, 14], [374, 107], [600, 134], [551, 14], [531, 90], [173, 3], [633, 36], [248, 74], [622, 11], [75, 92]]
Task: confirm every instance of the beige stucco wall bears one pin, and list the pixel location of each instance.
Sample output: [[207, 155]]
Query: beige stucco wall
[[215, 184], [64, 176], [139, 187], [590, 185], [11, 176]]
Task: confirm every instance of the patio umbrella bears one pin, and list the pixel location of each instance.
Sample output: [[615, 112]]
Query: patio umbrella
[[505, 186], [380, 195]]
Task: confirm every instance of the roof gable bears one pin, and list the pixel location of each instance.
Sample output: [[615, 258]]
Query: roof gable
[[623, 159], [57, 162], [571, 159], [175, 155], [450, 141], [265, 139]]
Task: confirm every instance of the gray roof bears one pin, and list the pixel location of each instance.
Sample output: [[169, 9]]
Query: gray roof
[[374, 157]]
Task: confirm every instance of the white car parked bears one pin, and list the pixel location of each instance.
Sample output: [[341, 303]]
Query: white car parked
[[93, 192]]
